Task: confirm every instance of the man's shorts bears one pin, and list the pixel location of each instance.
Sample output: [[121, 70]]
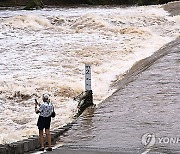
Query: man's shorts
[[43, 122]]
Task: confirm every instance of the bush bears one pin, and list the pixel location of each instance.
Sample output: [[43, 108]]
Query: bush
[[34, 4]]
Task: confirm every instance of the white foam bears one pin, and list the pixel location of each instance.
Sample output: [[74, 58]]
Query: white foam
[[45, 51]]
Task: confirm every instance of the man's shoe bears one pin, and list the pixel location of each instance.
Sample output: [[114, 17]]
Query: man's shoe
[[49, 149], [42, 149]]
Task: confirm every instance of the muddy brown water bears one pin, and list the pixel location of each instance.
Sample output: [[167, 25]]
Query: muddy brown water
[[147, 103]]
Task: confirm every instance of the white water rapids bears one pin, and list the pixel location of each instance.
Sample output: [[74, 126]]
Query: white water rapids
[[45, 51]]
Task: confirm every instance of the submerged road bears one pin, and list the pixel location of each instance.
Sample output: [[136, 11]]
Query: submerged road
[[142, 116]]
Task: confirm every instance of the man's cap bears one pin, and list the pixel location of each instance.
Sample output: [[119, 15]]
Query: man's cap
[[46, 96]]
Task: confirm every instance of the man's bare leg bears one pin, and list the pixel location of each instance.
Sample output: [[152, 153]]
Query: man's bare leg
[[48, 135], [41, 139]]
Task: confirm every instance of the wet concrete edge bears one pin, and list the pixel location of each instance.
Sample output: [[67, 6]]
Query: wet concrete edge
[[32, 143], [172, 7], [141, 66]]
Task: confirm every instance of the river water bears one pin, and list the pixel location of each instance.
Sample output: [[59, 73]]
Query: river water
[[45, 51], [142, 117]]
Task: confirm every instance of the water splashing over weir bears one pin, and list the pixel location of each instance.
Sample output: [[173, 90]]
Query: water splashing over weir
[[45, 51]]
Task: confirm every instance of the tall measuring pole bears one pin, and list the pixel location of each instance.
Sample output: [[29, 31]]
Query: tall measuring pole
[[87, 77], [89, 94]]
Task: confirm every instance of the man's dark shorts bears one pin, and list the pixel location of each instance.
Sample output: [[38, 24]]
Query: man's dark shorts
[[43, 122]]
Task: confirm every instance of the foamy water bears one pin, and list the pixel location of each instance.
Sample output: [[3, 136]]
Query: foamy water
[[45, 51]]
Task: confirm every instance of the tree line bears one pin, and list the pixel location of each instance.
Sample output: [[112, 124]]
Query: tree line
[[41, 3]]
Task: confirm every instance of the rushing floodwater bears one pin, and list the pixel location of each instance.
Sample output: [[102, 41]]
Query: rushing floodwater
[[45, 51], [138, 119]]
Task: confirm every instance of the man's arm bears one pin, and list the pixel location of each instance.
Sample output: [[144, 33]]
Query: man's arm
[[36, 103]]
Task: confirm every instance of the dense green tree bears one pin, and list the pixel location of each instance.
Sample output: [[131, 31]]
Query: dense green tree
[[34, 4]]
